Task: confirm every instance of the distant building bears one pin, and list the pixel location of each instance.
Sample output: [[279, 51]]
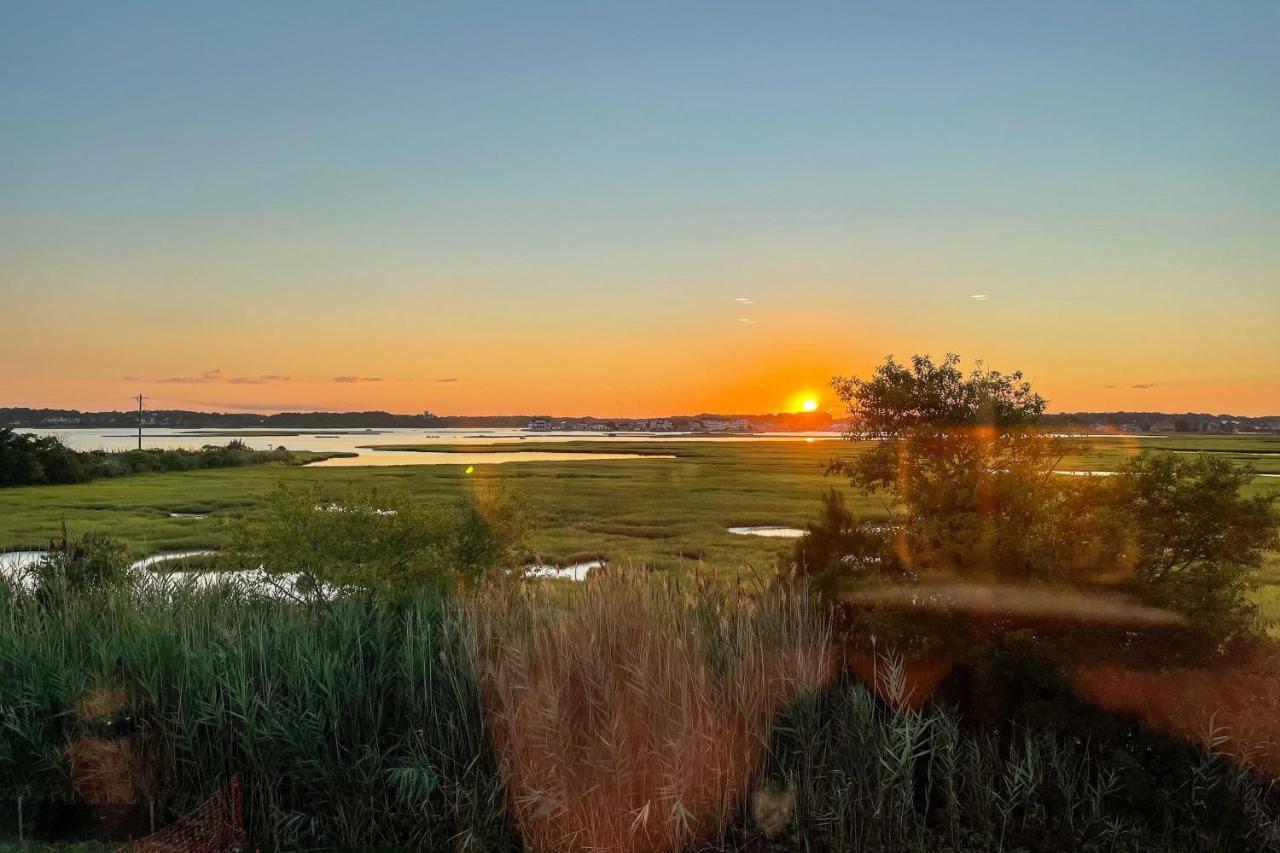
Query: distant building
[[540, 424], [722, 425]]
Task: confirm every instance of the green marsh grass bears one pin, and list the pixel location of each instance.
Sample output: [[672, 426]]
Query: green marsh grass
[[635, 711]]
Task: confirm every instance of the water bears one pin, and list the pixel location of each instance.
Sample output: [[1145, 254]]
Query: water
[[364, 442], [573, 572], [15, 566], [770, 531], [148, 563], [381, 458]]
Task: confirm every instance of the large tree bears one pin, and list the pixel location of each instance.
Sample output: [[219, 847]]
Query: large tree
[[964, 459], [969, 477]]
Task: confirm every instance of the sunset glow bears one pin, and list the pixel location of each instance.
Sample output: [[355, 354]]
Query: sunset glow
[[451, 223]]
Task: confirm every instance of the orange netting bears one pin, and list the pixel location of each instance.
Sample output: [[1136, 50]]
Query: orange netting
[[215, 826]]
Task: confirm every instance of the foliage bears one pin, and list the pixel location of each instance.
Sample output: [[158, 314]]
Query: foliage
[[92, 563], [1197, 540], [362, 724], [838, 547], [29, 460], [387, 542], [975, 495], [962, 457], [865, 775], [355, 724]]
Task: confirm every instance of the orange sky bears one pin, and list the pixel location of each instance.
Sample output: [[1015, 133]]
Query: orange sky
[[409, 352]]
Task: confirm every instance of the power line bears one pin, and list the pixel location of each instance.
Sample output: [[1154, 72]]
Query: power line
[[140, 398]]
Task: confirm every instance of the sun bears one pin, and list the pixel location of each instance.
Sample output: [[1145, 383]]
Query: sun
[[809, 405]]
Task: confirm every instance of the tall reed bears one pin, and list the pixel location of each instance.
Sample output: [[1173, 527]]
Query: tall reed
[[632, 715], [350, 724], [629, 714]]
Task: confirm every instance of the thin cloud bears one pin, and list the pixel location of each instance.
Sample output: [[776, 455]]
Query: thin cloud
[[1143, 386], [980, 297], [745, 300], [1110, 386], [357, 379], [264, 379], [128, 379], [207, 376], [747, 320], [449, 379]]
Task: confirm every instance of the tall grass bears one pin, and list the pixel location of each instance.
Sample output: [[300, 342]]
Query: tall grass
[[356, 723], [868, 775], [632, 716], [628, 714]]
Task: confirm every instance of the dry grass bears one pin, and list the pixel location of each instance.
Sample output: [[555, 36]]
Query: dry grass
[[634, 718]]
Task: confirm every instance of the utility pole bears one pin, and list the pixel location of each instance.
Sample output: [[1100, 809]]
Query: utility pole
[[140, 398]]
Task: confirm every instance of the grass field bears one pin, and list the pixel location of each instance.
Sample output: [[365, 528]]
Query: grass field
[[666, 513]]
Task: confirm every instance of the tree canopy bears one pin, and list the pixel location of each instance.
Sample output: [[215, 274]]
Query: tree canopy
[[971, 483]]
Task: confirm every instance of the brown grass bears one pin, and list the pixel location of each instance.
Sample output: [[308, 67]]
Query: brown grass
[[635, 718]]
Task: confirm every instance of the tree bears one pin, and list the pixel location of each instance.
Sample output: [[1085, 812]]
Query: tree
[[30, 460], [1197, 539], [972, 490], [839, 546], [962, 457]]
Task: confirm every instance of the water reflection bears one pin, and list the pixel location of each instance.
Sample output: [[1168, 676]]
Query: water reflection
[[383, 458]]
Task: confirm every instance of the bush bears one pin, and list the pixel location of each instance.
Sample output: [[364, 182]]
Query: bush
[[30, 460], [388, 543], [91, 564], [27, 460], [1197, 538]]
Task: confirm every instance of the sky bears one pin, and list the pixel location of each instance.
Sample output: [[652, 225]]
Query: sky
[[630, 209]]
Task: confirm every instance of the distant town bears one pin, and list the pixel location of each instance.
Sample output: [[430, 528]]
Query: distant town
[[1131, 422]]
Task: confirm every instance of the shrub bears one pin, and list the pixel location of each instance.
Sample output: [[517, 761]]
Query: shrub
[[389, 543], [93, 563]]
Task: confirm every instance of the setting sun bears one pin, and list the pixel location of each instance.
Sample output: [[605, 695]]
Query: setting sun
[[809, 405]]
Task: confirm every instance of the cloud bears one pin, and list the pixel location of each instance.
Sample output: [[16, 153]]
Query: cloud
[[128, 379], [1110, 386], [745, 300], [747, 320], [243, 406], [1143, 386], [264, 379], [980, 297], [207, 376], [357, 379], [450, 379]]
